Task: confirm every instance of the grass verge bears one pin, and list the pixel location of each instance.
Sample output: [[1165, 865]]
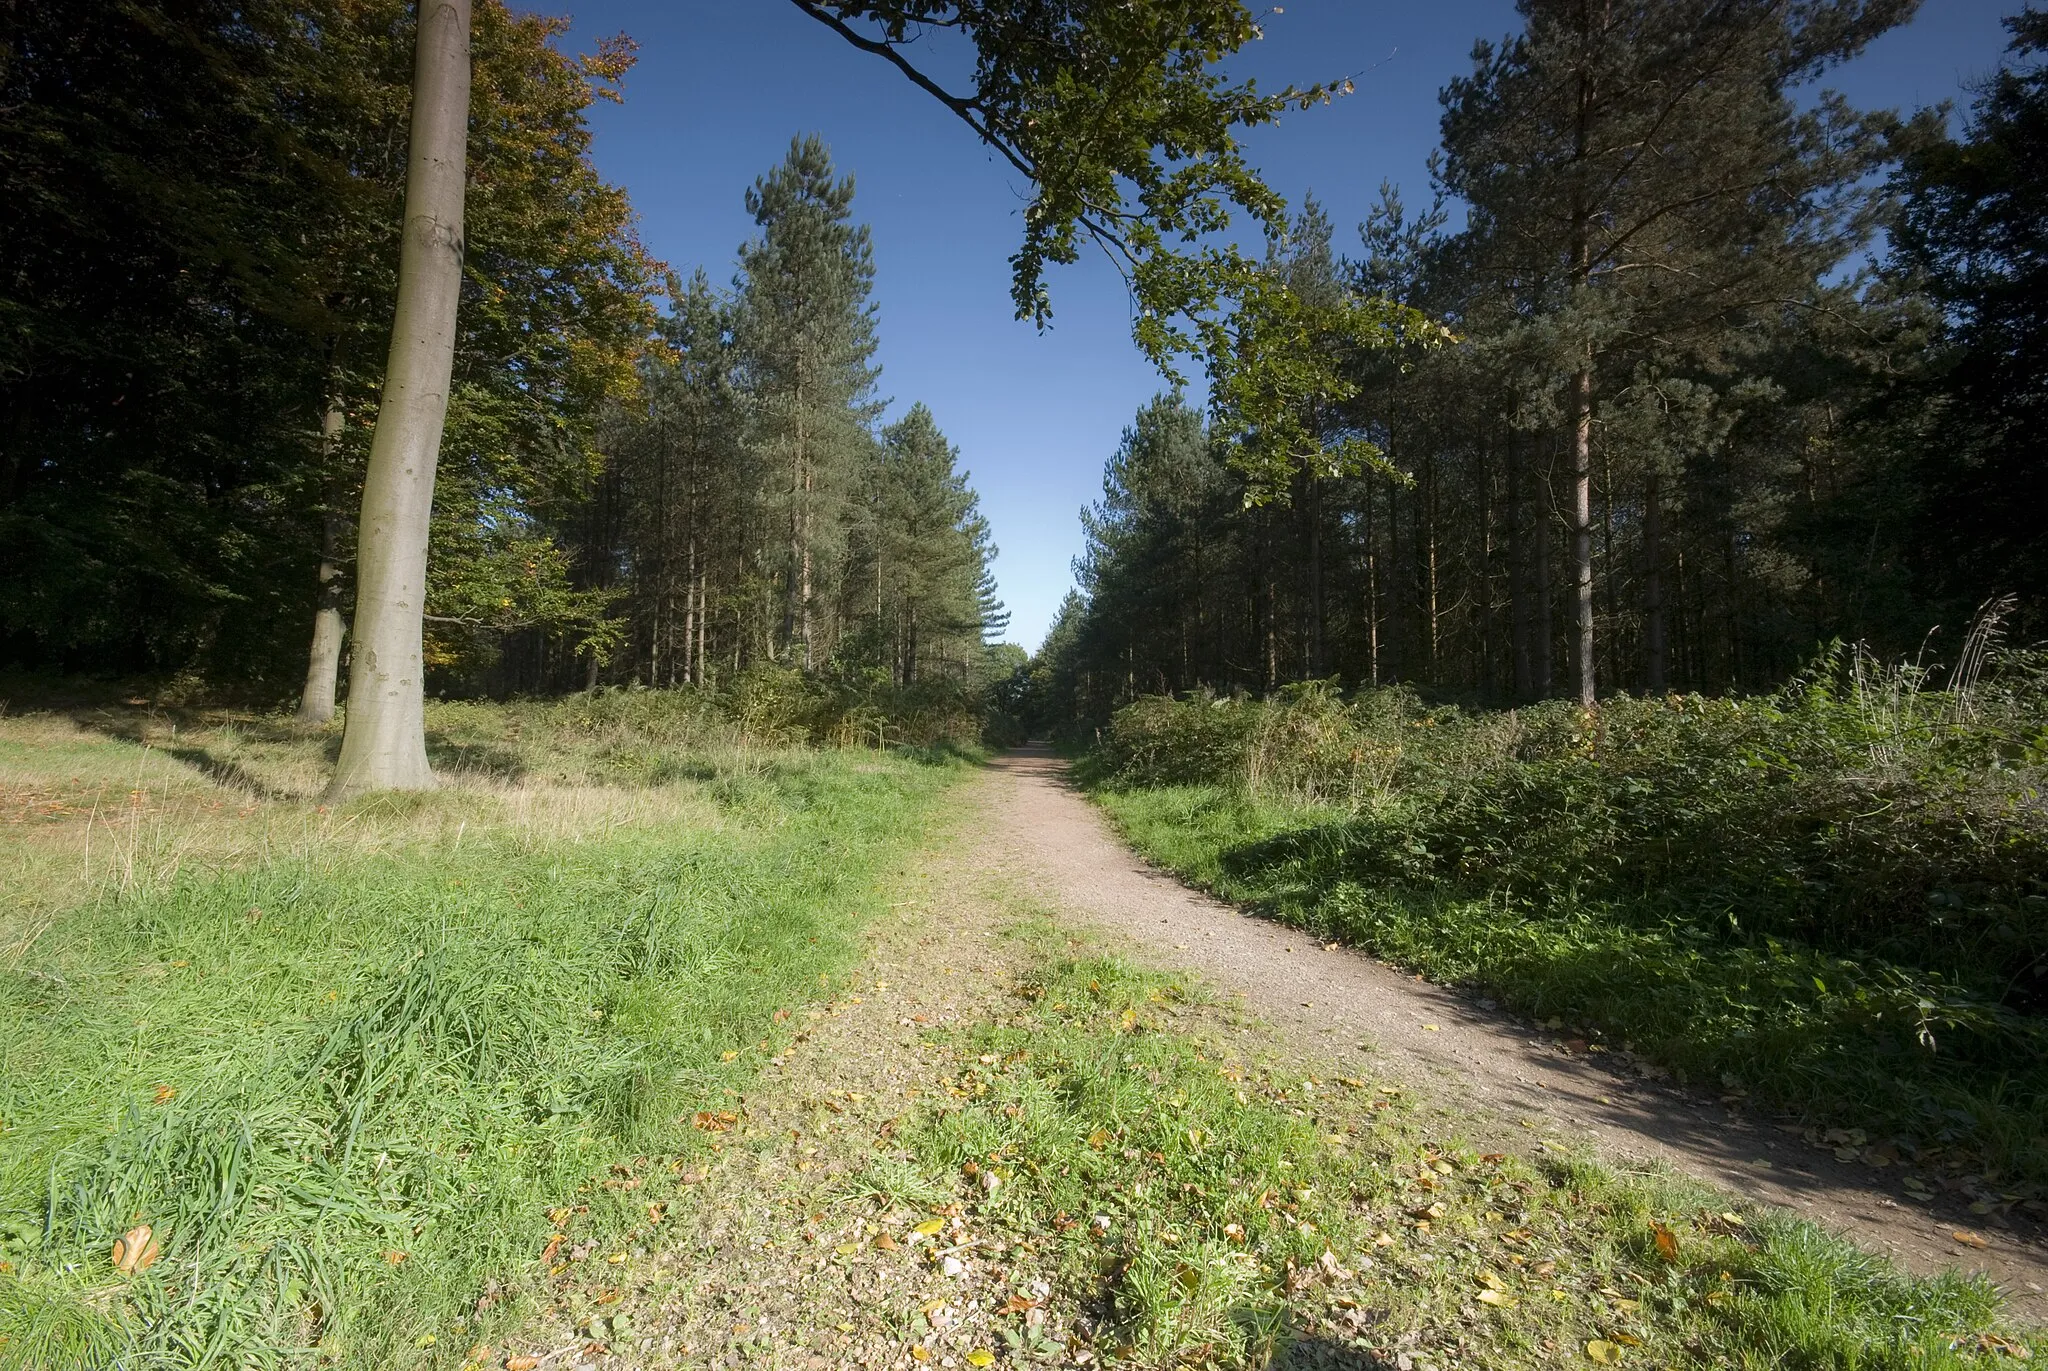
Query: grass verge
[[1190, 1206], [1831, 1037], [344, 1065]]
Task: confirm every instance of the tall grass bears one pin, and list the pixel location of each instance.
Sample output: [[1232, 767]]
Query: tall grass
[[344, 1064], [1834, 898]]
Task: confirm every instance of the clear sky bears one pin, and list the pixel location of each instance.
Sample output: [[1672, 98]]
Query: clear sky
[[723, 85]]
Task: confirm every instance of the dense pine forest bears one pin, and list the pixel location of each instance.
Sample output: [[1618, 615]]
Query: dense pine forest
[[1728, 370], [643, 480]]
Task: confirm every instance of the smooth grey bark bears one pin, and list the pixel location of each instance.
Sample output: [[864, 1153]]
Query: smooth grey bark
[[383, 744], [323, 659]]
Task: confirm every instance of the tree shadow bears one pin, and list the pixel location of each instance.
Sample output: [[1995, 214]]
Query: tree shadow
[[228, 774], [132, 727], [1315, 1352], [446, 754]]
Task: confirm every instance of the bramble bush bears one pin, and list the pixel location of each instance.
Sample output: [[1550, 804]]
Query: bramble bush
[[1845, 879]]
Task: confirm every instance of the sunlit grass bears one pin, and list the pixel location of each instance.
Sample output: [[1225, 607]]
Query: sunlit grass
[[1201, 1206], [343, 1063]]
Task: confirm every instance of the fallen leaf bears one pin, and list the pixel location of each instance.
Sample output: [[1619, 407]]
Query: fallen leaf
[[1667, 1241], [981, 1356], [930, 1227], [1604, 1352], [1491, 1281], [396, 1258], [135, 1250], [521, 1363], [164, 1093], [1968, 1239], [886, 1243], [920, 1353], [1496, 1299]]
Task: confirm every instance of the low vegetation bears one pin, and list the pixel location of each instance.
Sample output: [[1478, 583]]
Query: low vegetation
[[1194, 1201], [343, 1063], [1831, 900]]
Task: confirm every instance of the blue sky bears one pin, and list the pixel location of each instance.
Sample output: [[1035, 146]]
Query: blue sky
[[722, 87]]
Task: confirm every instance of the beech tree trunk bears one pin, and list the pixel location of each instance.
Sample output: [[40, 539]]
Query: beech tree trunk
[[383, 745], [323, 661]]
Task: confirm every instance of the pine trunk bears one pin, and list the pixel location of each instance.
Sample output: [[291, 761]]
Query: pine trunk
[[383, 745], [1656, 654], [1582, 531]]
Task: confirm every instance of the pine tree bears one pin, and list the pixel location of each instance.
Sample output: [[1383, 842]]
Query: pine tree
[[1975, 230], [929, 549], [805, 334], [1641, 178]]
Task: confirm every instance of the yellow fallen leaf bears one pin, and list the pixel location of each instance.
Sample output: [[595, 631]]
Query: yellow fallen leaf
[[920, 1353], [1604, 1352], [1495, 1298], [1968, 1239], [981, 1356], [727, 1056], [847, 1249], [1491, 1281], [1667, 1241], [135, 1250], [929, 1227]]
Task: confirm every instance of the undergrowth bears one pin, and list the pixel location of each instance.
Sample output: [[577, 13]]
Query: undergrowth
[[1203, 1208], [1833, 900], [345, 1068]]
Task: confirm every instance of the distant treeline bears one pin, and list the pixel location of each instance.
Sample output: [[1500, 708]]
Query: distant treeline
[[198, 253], [1685, 427]]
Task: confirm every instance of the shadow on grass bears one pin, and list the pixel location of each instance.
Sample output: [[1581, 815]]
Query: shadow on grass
[[1845, 1036], [1310, 1352], [133, 726], [475, 759]]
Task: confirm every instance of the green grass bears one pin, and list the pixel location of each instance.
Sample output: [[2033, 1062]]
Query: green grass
[[1201, 1208], [344, 1064], [1831, 1037]]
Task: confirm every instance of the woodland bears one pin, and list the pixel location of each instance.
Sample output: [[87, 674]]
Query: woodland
[[481, 707]]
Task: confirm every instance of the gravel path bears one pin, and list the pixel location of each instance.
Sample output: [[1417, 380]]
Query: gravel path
[[1338, 1001]]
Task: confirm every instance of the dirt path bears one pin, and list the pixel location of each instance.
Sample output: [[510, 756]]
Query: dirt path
[[1053, 843]]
